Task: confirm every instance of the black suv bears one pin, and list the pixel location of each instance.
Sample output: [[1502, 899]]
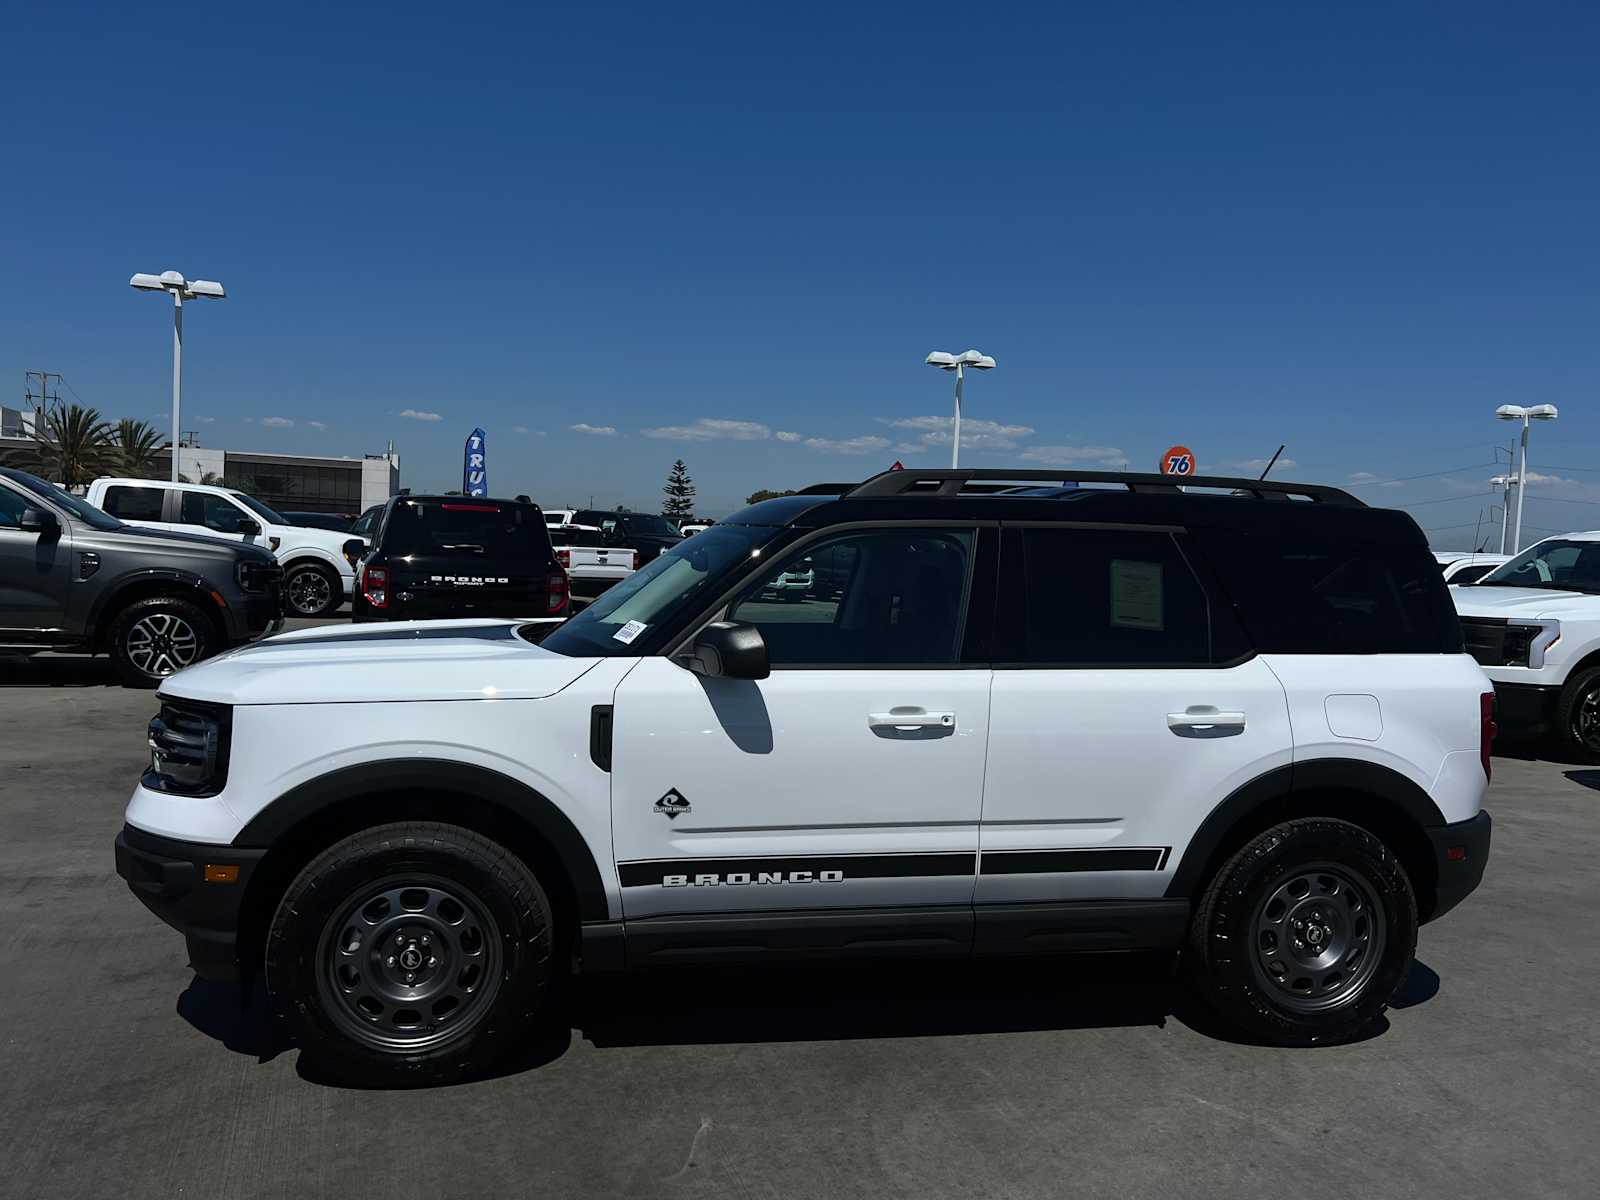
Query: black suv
[[74, 578], [435, 557]]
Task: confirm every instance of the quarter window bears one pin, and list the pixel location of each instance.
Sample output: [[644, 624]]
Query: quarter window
[[877, 597], [134, 503]]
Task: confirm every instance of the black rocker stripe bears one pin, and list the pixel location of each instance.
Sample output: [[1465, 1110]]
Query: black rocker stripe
[[1050, 862], [649, 872]]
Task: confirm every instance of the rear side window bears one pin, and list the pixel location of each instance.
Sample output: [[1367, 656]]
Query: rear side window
[[1304, 596], [1111, 598], [134, 503], [467, 529]]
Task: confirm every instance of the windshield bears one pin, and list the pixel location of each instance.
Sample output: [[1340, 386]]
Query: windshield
[[261, 510], [1558, 563], [648, 523], [82, 509], [679, 579]]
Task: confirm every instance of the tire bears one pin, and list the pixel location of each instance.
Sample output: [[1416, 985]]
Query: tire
[[311, 589], [1580, 714], [462, 914], [1357, 903], [152, 639]]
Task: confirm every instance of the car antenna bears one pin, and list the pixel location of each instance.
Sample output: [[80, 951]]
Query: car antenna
[[1270, 461]]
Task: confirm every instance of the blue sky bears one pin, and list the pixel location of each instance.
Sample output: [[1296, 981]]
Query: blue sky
[[1354, 230]]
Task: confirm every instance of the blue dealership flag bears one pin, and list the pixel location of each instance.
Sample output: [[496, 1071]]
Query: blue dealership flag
[[474, 472]]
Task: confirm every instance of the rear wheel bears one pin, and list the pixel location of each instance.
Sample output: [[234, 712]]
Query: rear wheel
[[413, 952], [152, 639], [313, 590], [1305, 934]]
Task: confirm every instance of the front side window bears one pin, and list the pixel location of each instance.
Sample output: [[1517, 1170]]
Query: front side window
[[1100, 597], [216, 513], [1558, 563], [268, 516], [11, 506], [134, 503], [878, 597]]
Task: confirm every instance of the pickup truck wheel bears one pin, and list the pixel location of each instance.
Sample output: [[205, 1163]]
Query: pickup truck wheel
[[1304, 935], [414, 952], [313, 590], [152, 639], [1580, 714]]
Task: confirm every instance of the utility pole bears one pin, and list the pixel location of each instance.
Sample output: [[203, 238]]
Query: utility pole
[[44, 397]]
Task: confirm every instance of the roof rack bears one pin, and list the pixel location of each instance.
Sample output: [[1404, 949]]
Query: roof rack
[[955, 482]]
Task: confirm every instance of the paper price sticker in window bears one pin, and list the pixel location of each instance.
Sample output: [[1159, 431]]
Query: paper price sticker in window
[[1136, 594], [628, 632]]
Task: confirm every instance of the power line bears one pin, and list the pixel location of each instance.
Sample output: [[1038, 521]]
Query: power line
[[1424, 475]]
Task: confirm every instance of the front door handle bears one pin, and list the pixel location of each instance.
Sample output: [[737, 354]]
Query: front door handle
[[908, 719], [1204, 718]]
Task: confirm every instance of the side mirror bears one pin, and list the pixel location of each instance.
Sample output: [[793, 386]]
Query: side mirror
[[354, 550], [249, 526], [39, 520], [731, 650]]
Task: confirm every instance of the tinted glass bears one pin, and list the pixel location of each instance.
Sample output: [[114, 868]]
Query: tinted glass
[[267, 516], [622, 621], [91, 516], [1096, 597], [11, 506], [365, 522], [216, 513], [591, 516], [648, 523], [134, 503], [1471, 574], [1555, 563], [878, 597], [1305, 596], [468, 529]]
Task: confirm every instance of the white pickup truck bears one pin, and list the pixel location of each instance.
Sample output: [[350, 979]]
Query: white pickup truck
[[591, 566]]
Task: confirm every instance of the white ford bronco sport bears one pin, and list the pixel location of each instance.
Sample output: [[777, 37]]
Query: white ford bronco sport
[[1234, 720]]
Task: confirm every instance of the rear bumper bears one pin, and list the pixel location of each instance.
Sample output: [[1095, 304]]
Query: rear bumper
[[168, 877], [1460, 852], [1526, 708]]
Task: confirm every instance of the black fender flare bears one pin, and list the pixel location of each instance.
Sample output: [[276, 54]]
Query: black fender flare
[[106, 599], [513, 797], [1283, 784]]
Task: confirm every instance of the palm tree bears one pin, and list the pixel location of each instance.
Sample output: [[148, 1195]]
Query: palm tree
[[71, 446], [137, 443]]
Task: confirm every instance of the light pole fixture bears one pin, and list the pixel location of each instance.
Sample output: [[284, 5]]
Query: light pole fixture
[[182, 289], [1507, 482], [1525, 414], [959, 364]]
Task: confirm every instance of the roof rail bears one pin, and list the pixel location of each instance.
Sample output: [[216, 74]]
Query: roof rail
[[948, 482], [827, 489]]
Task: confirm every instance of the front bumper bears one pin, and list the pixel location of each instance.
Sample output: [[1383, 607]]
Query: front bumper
[[1460, 853], [169, 878], [1526, 708]]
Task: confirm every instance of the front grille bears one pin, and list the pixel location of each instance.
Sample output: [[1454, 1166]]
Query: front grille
[[1496, 642], [189, 744]]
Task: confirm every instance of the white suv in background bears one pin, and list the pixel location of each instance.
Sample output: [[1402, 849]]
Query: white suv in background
[[317, 577], [1534, 626]]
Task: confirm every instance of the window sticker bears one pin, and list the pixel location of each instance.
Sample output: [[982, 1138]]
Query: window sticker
[[628, 632], [1136, 594]]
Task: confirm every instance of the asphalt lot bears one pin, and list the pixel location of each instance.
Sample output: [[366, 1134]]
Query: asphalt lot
[[123, 1076]]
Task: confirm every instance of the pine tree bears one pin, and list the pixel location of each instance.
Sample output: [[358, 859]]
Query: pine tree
[[679, 504]]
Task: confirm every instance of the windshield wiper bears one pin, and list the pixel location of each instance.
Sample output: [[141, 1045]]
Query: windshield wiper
[[1547, 587]]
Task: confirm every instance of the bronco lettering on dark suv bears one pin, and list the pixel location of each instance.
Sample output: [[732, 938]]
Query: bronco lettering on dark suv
[[1234, 720]]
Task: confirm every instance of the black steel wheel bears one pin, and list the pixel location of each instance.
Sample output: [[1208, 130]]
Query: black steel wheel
[[415, 952], [313, 590], [1304, 935]]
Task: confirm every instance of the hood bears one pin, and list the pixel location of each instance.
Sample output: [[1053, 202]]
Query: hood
[[170, 541], [1477, 601], [406, 660]]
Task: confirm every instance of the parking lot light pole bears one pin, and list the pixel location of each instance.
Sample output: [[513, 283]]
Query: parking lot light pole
[[182, 289], [1525, 414], [958, 363], [1506, 482]]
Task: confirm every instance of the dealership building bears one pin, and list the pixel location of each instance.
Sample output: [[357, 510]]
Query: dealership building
[[293, 482]]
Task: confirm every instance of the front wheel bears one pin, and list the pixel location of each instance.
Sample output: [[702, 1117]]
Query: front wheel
[[1580, 714], [313, 590], [1305, 934], [412, 952], [152, 639]]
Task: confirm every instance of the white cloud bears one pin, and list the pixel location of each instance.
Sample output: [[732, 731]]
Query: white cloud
[[710, 429], [1361, 477], [784, 435], [1257, 465], [1076, 456], [597, 430], [317, 424], [417, 414], [525, 430], [277, 422], [909, 448], [856, 445], [943, 424], [204, 420]]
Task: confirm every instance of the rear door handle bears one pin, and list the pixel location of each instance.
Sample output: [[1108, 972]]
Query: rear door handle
[[1203, 717], [911, 718]]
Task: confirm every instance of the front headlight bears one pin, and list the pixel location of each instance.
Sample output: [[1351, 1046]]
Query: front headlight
[[189, 744], [1527, 641]]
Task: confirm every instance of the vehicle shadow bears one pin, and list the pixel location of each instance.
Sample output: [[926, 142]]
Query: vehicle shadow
[[691, 1007], [1538, 750], [56, 670]]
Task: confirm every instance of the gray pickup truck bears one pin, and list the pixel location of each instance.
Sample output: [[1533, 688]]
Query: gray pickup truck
[[74, 579]]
